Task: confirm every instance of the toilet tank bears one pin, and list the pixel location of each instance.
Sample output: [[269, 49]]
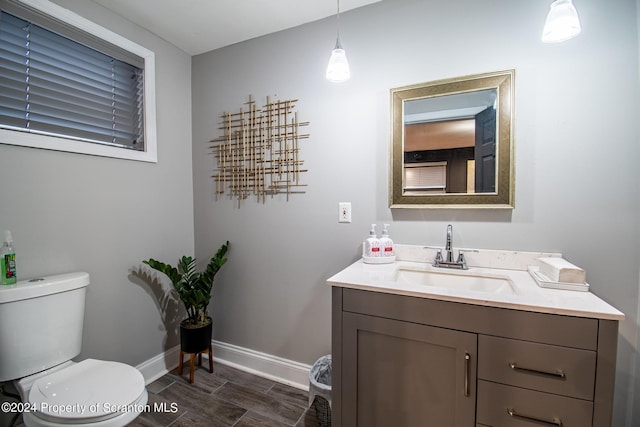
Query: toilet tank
[[40, 323]]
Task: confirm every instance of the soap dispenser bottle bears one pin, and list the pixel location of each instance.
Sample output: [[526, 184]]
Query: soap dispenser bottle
[[371, 246], [8, 260], [386, 244]]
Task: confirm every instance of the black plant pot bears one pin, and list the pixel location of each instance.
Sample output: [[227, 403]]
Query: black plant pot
[[195, 340]]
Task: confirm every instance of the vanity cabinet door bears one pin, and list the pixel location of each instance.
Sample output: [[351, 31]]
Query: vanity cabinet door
[[398, 373]]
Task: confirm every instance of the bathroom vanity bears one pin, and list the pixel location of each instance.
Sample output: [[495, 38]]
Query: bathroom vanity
[[414, 345]]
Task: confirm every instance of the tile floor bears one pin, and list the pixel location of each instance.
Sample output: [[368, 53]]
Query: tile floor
[[227, 397]]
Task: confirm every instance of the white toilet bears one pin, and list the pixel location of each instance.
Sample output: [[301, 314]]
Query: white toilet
[[40, 332]]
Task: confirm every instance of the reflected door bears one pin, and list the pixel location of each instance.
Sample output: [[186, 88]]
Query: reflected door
[[485, 151]]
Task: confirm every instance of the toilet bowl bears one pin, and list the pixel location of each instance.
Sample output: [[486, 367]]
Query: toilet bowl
[[41, 333], [92, 392]]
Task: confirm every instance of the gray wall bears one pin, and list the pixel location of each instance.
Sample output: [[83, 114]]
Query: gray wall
[[73, 212], [576, 134]]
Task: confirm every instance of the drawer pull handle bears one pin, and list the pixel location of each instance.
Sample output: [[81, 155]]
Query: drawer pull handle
[[554, 422], [467, 360], [558, 374]]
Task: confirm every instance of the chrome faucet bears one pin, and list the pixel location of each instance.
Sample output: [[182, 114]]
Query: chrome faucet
[[447, 261], [448, 248]]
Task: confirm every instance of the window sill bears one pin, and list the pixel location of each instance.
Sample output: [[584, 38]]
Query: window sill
[[25, 139]]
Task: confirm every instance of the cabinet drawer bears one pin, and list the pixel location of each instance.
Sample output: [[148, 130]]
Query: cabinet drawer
[[506, 406], [549, 368]]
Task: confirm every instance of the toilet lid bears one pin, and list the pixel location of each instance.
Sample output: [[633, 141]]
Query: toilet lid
[[88, 390]]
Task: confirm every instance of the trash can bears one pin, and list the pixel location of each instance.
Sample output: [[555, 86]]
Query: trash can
[[320, 390]]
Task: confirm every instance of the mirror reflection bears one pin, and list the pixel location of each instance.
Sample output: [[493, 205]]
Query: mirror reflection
[[452, 142]]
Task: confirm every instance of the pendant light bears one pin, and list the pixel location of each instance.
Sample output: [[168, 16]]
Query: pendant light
[[338, 68], [562, 22]]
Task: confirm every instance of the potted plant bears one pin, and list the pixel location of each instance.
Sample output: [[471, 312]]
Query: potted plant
[[193, 287]]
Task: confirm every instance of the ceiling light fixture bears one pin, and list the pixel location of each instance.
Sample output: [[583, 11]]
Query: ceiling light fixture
[[338, 68], [562, 22]]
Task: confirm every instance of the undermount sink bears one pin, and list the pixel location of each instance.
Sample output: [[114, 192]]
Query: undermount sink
[[453, 279]]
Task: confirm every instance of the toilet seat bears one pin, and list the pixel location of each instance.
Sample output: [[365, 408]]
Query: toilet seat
[[91, 392]]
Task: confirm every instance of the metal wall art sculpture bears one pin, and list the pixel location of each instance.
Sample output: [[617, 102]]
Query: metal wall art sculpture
[[259, 151]]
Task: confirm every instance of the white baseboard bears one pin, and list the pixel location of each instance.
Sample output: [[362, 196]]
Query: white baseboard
[[262, 364], [159, 365]]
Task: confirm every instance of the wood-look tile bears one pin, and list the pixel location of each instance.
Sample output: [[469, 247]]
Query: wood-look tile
[[308, 419], [252, 419], [204, 404], [162, 412], [239, 377], [228, 397], [192, 419], [141, 421], [207, 382], [261, 403], [289, 394], [161, 383]]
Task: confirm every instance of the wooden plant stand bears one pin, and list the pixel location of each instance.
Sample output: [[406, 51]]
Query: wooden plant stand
[[192, 357]]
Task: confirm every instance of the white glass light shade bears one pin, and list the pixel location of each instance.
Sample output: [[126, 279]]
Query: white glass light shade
[[338, 68], [562, 22]]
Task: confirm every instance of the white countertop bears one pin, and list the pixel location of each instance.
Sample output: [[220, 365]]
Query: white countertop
[[528, 296]]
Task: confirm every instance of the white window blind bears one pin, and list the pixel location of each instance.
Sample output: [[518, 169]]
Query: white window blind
[[53, 85], [425, 176]]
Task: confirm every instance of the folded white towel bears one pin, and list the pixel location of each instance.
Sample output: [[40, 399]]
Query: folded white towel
[[561, 270]]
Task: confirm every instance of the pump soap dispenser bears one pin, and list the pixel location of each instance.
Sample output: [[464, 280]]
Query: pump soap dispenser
[[386, 244], [372, 249], [371, 245]]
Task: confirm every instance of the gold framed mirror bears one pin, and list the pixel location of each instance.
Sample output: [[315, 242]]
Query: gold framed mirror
[[452, 143]]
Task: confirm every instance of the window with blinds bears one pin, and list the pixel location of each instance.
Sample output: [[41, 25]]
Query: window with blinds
[[61, 82]]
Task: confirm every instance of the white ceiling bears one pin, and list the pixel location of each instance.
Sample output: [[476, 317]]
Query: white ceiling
[[198, 26]]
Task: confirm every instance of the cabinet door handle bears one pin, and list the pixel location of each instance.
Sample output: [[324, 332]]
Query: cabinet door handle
[[557, 374], [467, 363], [553, 422]]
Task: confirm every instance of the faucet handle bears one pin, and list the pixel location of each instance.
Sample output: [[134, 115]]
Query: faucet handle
[[461, 258], [468, 250], [438, 257]]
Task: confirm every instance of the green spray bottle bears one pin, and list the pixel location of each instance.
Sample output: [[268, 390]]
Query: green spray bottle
[[8, 260]]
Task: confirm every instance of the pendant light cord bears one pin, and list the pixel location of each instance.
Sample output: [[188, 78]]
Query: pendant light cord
[[338, 44], [338, 18]]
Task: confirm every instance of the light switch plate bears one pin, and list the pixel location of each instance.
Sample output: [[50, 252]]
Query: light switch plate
[[344, 212]]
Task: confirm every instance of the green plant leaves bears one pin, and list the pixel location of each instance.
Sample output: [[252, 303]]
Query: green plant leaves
[[193, 287]]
